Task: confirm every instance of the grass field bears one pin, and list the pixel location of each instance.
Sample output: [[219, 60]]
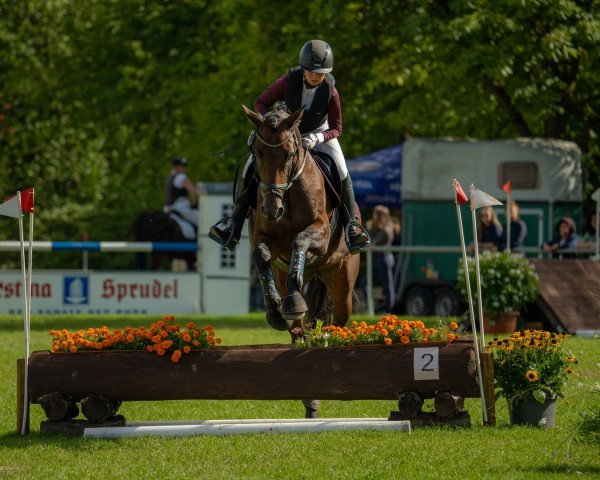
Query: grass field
[[479, 452]]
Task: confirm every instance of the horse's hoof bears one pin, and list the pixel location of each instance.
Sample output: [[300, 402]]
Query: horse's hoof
[[293, 307], [276, 321]]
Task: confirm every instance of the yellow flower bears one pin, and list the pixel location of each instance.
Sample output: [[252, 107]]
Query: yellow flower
[[532, 375]]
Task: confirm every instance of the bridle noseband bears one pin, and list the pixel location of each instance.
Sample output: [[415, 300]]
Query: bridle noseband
[[280, 189]]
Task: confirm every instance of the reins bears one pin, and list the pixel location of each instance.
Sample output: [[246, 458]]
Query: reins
[[280, 189]]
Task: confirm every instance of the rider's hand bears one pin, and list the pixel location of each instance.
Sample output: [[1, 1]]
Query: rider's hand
[[311, 140]]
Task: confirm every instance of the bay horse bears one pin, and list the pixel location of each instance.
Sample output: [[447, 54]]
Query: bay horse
[[295, 237], [157, 226]]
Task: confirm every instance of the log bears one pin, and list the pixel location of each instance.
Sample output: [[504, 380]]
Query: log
[[260, 372], [409, 404], [448, 405], [58, 406], [97, 408]]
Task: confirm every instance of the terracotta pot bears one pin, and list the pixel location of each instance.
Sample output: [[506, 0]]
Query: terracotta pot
[[501, 322], [532, 412]]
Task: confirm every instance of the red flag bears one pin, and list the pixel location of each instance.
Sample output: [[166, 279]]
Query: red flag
[[27, 200], [460, 196], [507, 187]]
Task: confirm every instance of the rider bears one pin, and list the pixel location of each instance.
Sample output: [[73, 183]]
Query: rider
[[177, 188], [311, 86]]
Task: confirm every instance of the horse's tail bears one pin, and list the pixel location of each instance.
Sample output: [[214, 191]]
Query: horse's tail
[[320, 306]]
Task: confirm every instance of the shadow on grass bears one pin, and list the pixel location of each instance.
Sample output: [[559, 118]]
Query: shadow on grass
[[570, 468]]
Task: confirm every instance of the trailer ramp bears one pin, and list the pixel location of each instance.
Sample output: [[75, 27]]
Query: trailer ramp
[[570, 294]]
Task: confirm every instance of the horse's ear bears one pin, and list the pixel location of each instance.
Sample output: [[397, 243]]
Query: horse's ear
[[255, 118], [293, 119]]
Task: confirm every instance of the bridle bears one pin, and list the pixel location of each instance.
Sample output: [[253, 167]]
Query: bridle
[[280, 189]]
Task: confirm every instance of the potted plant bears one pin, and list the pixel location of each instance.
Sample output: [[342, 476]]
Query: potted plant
[[508, 282], [531, 369]]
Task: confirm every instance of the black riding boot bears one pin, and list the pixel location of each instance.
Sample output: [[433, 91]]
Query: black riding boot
[[356, 235], [228, 230]]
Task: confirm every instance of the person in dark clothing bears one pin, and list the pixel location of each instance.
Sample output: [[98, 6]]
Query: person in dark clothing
[[180, 194], [564, 238], [489, 230], [311, 86], [518, 230]]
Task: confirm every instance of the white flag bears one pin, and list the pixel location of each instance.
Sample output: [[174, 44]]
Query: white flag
[[481, 199], [11, 207]]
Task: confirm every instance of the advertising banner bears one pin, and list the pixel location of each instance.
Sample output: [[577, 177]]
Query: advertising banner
[[89, 292]]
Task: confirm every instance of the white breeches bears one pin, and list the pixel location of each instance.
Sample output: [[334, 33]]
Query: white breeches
[[182, 206]]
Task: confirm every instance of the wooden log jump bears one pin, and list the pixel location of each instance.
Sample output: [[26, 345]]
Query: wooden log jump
[[258, 372]]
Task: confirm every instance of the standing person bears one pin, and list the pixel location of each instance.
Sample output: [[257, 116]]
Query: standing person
[[588, 239], [565, 237], [382, 234], [180, 194], [311, 86], [518, 229]]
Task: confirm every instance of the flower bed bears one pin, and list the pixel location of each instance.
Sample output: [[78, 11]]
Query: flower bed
[[164, 336], [388, 331]]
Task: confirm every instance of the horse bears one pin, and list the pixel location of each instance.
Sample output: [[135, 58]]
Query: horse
[[296, 237], [157, 226]]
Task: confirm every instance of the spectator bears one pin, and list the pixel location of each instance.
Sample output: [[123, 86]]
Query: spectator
[[565, 238], [382, 234], [489, 230], [518, 230]]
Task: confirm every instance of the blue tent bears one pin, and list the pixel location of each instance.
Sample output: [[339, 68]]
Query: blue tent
[[377, 178]]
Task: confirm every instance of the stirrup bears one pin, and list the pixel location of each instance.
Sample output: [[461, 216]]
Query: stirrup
[[215, 233], [356, 247]]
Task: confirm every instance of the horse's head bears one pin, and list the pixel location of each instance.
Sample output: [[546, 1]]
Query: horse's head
[[277, 146]]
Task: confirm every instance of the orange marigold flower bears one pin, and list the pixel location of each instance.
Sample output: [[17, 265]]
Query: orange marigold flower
[[388, 341], [150, 348], [186, 349], [161, 351], [404, 339], [195, 343], [72, 348], [453, 326], [164, 333]]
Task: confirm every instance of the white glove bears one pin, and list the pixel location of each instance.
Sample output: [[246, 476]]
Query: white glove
[[312, 139]]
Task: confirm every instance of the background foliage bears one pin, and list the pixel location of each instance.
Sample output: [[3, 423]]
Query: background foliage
[[96, 96]]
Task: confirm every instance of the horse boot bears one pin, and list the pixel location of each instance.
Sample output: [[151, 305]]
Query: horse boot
[[356, 235], [228, 230]]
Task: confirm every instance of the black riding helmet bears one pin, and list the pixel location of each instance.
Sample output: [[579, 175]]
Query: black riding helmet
[[179, 161], [316, 56]]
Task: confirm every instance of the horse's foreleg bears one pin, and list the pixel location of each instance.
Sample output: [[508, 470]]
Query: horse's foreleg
[[262, 258], [294, 306]]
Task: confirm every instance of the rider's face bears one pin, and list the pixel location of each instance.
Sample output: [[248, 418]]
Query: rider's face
[[313, 78]]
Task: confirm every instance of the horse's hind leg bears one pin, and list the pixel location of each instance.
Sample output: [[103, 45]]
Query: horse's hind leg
[[262, 257], [340, 284]]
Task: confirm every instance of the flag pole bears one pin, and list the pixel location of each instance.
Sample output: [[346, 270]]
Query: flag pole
[[508, 221], [477, 275], [470, 298], [25, 320], [30, 265]]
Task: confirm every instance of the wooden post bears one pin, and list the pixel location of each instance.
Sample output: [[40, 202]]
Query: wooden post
[[21, 411], [487, 370]]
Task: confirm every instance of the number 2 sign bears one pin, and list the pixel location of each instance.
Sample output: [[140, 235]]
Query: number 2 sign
[[426, 363]]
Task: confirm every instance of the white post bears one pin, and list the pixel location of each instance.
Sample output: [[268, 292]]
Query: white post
[[508, 220], [478, 277], [471, 312], [25, 319]]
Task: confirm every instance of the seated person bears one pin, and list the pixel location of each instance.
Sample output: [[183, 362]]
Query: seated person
[[565, 238], [518, 230]]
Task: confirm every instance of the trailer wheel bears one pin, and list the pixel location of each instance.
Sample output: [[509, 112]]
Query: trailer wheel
[[446, 303], [419, 302]]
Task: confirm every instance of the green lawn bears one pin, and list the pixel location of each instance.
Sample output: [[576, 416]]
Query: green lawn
[[479, 452]]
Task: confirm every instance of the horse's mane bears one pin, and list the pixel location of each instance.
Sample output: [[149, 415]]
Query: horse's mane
[[279, 112]]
